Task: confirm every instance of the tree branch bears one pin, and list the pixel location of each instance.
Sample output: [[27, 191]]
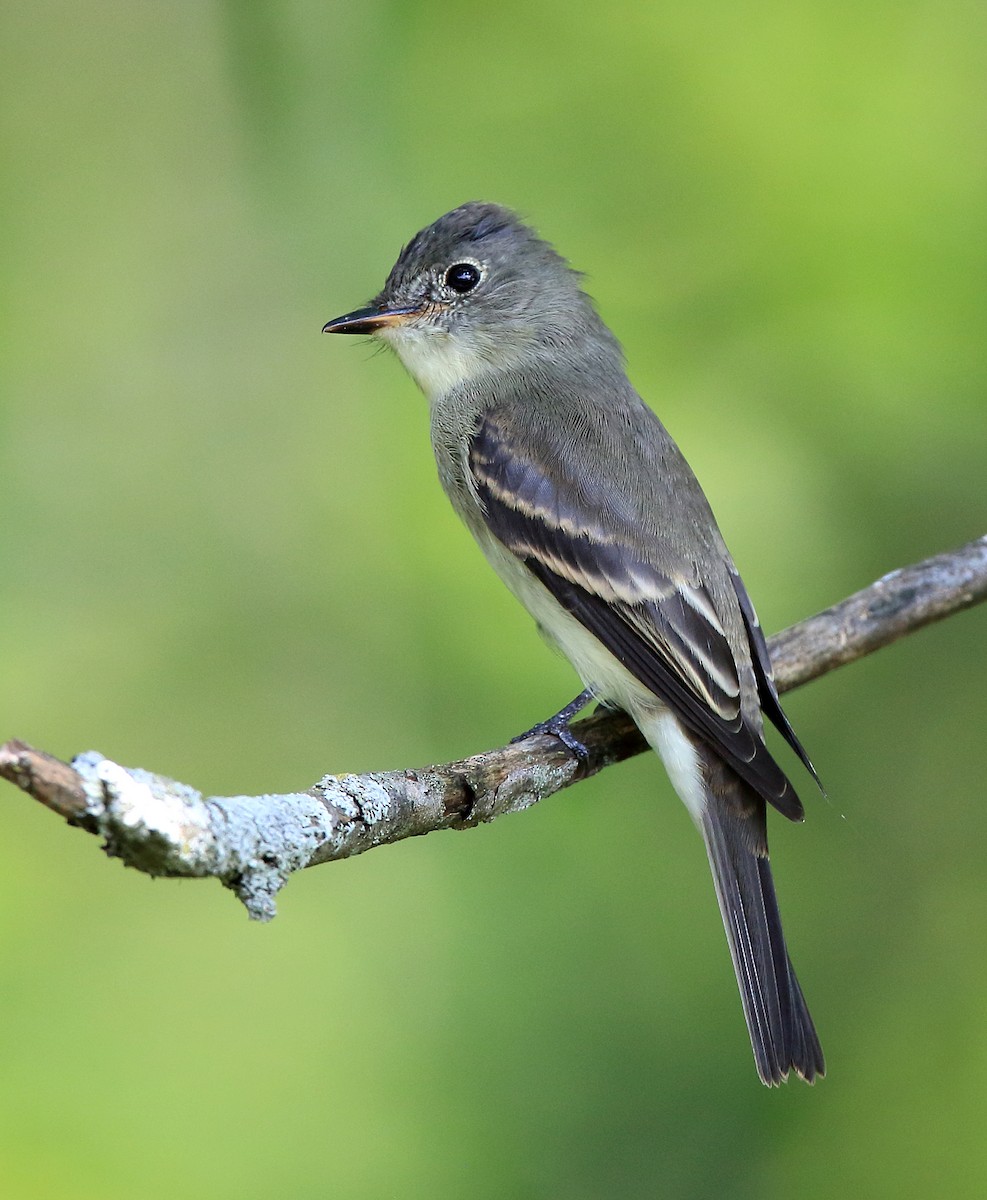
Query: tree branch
[[254, 843]]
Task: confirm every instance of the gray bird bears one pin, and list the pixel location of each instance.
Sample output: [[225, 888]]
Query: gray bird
[[587, 510]]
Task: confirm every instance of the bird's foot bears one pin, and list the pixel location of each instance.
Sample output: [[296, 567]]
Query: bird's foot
[[558, 726]]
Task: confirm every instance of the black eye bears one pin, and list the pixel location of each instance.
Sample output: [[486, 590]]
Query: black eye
[[462, 277]]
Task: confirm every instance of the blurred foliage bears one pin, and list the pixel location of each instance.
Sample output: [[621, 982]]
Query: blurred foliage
[[225, 557]]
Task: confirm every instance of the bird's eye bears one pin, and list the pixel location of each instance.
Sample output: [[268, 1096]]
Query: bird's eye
[[462, 277]]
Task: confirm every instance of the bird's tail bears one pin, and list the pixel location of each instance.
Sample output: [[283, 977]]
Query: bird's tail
[[781, 1029]]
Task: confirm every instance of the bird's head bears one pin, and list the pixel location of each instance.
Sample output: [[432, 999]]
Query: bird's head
[[475, 291]]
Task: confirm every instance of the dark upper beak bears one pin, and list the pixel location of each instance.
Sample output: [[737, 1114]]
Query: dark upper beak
[[370, 319]]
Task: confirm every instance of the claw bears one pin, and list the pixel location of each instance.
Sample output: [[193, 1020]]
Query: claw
[[558, 726]]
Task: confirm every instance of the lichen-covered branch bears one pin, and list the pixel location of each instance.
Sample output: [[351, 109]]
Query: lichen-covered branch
[[254, 843]]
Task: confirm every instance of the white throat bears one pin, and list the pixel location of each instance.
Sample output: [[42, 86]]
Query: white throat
[[436, 360]]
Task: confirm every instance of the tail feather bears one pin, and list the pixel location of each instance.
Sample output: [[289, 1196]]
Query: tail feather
[[781, 1030], [732, 818]]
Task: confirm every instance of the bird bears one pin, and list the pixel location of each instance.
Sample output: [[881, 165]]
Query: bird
[[584, 505]]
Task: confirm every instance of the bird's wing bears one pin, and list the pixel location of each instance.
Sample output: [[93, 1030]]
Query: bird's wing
[[766, 689], [661, 625]]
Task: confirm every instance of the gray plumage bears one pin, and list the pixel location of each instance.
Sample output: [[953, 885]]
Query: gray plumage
[[586, 508]]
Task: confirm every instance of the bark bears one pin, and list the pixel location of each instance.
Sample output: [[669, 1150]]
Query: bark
[[252, 844]]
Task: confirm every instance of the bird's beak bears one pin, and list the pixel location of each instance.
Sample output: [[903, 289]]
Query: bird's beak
[[371, 319]]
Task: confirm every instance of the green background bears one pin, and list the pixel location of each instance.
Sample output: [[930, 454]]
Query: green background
[[224, 555]]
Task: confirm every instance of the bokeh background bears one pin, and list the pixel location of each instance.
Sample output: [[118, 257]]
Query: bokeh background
[[224, 556]]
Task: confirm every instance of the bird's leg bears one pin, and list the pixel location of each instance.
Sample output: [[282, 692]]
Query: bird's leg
[[558, 726]]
